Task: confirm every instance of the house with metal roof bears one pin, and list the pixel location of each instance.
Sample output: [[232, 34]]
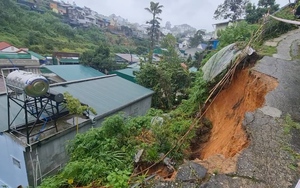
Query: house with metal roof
[[126, 58], [71, 72], [11, 56], [40, 58], [65, 58], [26, 163]]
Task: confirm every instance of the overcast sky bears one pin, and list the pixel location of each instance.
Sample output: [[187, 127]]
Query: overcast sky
[[197, 13]]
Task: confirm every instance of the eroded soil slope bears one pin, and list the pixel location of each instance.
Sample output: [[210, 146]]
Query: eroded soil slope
[[246, 93]]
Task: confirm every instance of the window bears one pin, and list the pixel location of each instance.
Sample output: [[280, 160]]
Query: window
[[16, 162]]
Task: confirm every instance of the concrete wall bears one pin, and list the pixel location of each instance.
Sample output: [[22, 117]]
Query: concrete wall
[[12, 162], [51, 152], [138, 109]]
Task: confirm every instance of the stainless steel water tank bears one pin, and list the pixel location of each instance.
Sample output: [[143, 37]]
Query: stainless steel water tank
[[33, 85]]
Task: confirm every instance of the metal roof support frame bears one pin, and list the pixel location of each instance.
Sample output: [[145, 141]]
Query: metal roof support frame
[[36, 110]]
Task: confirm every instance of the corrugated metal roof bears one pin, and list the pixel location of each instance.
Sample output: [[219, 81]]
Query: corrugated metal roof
[[73, 72], [14, 56], [128, 57], [128, 72], [104, 94], [40, 57], [69, 61]]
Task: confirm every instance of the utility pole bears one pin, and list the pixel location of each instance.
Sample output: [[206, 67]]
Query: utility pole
[[130, 56]]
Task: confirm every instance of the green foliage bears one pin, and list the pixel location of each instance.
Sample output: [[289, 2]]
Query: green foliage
[[239, 32], [197, 38], [100, 59], [96, 154], [45, 33], [118, 178], [254, 14], [167, 79], [290, 124], [274, 28], [104, 156], [155, 9], [197, 96], [169, 41], [170, 55], [74, 105], [265, 50], [231, 9]]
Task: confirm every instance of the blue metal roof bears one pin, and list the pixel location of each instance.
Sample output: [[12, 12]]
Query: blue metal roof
[[74, 72], [105, 94]]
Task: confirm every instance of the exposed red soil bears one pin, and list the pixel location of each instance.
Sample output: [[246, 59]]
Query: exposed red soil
[[246, 93]]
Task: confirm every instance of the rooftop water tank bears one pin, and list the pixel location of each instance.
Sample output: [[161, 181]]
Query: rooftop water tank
[[33, 85]]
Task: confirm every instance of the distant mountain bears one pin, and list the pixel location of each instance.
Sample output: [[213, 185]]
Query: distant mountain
[[183, 29]]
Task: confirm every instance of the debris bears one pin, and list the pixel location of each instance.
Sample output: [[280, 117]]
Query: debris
[[167, 161], [137, 156]]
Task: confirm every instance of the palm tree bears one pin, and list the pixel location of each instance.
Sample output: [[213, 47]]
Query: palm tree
[[153, 30]]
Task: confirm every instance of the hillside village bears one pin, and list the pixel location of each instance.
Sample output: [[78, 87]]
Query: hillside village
[[84, 17]]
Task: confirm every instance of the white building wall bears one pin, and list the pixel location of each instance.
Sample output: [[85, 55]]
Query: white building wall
[[12, 164], [10, 49]]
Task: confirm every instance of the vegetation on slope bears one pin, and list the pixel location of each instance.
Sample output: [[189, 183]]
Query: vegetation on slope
[[45, 33]]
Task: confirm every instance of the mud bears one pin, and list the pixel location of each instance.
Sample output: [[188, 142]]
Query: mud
[[246, 93]]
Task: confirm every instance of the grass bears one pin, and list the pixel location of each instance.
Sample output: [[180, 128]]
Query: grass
[[266, 50], [290, 124]]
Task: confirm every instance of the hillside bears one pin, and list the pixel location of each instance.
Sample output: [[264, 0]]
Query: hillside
[[45, 33]]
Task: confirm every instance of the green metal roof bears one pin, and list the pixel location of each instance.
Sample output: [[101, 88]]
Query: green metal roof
[[126, 74], [14, 56], [128, 71], [73, 72], [69, 61], [106, 95], [40, 57]]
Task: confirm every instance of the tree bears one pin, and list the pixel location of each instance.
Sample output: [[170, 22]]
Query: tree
[[255, 13], [167, 80], [197, 38], [75, 107], [153, 30], [100, 59], [231, 9], [168, 25], [170, 55], [267, 3]]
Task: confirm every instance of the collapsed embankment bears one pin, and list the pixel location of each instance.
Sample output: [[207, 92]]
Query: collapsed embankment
[[245, 93]]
